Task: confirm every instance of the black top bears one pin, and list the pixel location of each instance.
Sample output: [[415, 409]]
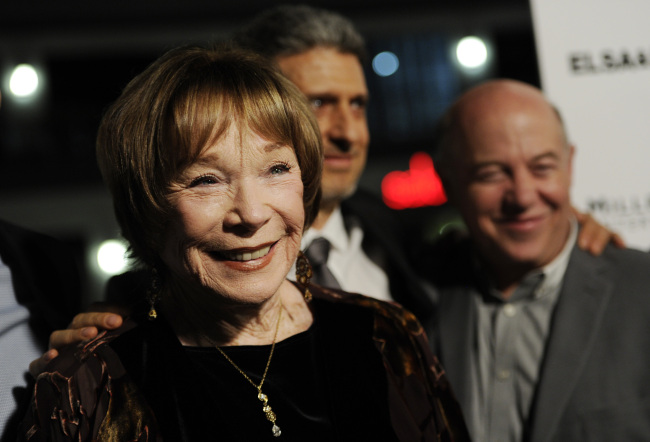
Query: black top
[[311, 375], [361, 372], [297, 396]]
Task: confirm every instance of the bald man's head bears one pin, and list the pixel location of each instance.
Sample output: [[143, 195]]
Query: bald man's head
[[506, 166], [478, 104]]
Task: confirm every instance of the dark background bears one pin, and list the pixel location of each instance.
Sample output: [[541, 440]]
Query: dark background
[[89, 50]]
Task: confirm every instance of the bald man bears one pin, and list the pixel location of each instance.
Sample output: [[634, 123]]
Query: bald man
[[541, 340]]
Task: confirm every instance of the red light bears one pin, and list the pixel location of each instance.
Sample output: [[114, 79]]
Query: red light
[[417, 187]]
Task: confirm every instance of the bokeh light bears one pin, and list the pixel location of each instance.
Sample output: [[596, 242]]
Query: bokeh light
[[385, 64], [471, 52], [111, 257], [24, 80]]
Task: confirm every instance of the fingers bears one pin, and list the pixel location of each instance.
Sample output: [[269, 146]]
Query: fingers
[[100, 320], [618, 241], [37, 366], [61, 338], [595, 242], [594, 237], [84, 326]]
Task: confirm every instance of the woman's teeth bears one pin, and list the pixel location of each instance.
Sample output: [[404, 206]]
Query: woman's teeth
[[247, 256]]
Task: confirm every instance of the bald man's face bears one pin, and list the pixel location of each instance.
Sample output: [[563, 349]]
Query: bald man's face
[[335, 85], [511, 181]]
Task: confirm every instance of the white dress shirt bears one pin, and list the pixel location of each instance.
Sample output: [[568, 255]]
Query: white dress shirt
[[347, 261]]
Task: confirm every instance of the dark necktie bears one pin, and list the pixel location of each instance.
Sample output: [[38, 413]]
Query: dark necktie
[[317, 254]]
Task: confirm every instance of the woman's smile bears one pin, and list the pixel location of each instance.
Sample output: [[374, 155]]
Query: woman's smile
[[247, 255]]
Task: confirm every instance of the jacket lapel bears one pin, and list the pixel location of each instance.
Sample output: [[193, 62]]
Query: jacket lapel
[[581, 307], [455, 341]]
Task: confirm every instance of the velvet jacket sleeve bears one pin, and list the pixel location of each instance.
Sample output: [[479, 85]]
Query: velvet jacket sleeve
[[85, 394], [422, 405]]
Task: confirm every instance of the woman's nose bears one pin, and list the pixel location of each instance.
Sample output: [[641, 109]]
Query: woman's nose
[[249, 208]]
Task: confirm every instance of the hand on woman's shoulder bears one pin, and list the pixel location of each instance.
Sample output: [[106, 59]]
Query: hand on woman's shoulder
[[77, 396]]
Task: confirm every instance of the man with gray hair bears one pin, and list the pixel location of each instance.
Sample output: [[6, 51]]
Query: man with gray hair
[[323, 53], [541, 340]]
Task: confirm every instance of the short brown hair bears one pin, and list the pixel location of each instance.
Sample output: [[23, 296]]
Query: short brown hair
[[177, 107]]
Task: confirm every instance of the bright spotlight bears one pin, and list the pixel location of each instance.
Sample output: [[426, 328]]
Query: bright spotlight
[[471, 52], [111, 257], [385, 64], [23, 81]]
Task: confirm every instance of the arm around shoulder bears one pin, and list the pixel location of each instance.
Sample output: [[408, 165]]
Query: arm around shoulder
[[86, 395]]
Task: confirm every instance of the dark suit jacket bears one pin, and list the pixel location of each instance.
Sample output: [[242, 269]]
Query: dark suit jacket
[[46, 280], [386, 243], [595, 375]]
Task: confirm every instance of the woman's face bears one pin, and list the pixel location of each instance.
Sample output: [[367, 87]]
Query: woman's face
[[237, 217]]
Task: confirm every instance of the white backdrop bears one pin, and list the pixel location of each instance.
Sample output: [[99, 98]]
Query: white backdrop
[[594, 59]]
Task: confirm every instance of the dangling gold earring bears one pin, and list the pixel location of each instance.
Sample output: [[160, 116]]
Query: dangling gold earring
[[153, 294], [304, 274]]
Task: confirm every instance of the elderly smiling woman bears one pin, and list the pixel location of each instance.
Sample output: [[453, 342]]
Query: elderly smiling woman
[[213, 160]]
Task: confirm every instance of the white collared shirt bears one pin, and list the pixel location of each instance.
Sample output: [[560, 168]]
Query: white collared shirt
[[347, 261]]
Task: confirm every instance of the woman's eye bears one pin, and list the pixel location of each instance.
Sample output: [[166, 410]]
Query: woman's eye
[[280, 169], [205, 180]]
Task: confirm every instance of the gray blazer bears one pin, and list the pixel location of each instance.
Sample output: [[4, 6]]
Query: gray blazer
[[595, 376]]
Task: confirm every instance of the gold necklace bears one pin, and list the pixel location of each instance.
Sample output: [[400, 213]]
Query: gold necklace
[[266, 408]]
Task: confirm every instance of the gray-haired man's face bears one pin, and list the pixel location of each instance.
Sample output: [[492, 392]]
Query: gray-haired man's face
[[335, 85]]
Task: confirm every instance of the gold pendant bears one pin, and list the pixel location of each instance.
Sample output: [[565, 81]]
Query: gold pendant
[[270, 415]]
